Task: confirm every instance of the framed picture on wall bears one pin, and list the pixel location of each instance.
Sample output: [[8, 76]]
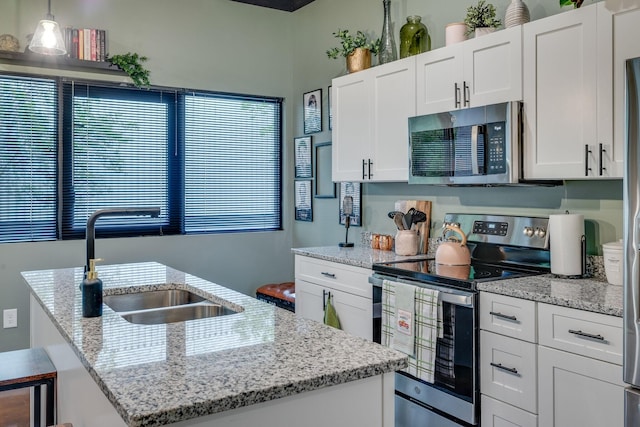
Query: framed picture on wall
[[351, 189], [312, 102], [302, 156], [304, 209], [325, 188]]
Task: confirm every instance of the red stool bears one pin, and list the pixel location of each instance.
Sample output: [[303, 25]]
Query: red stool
[[282, 295]]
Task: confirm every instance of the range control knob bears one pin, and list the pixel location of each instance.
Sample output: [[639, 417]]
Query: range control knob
[[528, 231], [540, 232]]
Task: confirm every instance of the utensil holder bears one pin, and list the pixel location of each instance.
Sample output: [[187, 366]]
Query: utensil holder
[[407, 242]]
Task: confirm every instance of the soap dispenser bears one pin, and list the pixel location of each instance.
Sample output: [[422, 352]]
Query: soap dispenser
[[92, 292]]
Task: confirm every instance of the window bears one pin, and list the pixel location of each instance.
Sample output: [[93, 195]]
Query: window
[[28, 159], [232, 163], [212, 162]]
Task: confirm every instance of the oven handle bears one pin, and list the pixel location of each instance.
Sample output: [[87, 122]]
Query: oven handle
[[448, 295]]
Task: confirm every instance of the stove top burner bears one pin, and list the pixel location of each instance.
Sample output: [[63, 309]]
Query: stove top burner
[[453, 275]]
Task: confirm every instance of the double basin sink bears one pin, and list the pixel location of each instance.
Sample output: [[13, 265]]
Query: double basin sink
[[164, 306]]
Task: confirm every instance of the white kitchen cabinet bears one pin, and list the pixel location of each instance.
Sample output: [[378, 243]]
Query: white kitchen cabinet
[[481, 71], [576, 386], [626, 33], [370, 123], [348, 285], [568, 101], [498, 414]]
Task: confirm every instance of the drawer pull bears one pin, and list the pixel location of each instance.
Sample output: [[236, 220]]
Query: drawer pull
[[504, 316], [586, 335], [513, 371], [330, 275]]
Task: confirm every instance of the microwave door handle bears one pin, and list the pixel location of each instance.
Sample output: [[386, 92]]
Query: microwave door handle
[[475, 170]]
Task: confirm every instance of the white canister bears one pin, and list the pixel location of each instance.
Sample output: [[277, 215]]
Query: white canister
[[455, 33], [567, 244], [407, 242], [612, 254]]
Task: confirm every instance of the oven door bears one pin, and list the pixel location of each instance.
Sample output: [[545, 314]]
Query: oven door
[[454, 393]]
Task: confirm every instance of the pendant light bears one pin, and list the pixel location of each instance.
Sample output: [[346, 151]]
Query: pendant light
[[47, 39]]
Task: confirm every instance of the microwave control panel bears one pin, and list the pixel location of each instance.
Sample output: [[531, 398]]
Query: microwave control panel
[[496, 157]]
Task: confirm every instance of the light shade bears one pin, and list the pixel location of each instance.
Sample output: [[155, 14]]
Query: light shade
[[47, 39]]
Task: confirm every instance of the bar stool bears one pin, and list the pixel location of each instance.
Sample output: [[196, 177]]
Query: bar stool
[[31, 368]]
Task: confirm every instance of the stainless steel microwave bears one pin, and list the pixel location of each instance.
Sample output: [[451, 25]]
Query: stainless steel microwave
[[472, 146]]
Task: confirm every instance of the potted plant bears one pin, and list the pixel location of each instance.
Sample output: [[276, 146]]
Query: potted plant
[[356, 49], [483, 17], [576, 3], [131, 63]]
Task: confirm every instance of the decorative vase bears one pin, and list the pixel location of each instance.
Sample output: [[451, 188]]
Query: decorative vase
[[517, 13], [481, 31], [358, 60], [455, 33], [388, 50], [414, 37]]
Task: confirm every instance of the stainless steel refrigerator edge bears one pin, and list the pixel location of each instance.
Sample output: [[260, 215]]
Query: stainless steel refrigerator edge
[[631, 275]]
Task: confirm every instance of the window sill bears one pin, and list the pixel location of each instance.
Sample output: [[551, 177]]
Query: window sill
[[59, 62]]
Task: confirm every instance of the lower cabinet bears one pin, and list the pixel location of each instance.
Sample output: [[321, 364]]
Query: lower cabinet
[[549, 366], [576, 391], [348, 286]]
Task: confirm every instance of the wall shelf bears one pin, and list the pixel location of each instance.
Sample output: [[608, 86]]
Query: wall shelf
[[59, 62]]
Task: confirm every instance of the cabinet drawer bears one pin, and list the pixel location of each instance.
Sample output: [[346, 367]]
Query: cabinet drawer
[[346, 278], [513, 317], [508, 369], [594, 335], [499, 414]]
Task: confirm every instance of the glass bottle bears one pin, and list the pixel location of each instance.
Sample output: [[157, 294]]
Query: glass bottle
[[388, 50], [414, 37]]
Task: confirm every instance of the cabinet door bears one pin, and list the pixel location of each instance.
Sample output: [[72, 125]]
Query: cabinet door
[[439, 80], [576, 391], [394, 101], [559, 91], [626, 33], [355, 312], [352, 125], [493, 68]]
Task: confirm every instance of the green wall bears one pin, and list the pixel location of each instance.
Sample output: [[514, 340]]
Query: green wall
[[233, 47]]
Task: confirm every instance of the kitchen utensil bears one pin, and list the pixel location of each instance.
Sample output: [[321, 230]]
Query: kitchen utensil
[[451, 251], [392, 214], [399, 220], [423, 227], [408, 219], [418, 217]]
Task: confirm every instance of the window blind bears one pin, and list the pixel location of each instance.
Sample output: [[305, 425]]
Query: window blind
[[117, 153], [28, 159], [233, 162]]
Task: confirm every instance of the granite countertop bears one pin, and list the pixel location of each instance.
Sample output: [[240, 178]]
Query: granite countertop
[[584, 294], [161, 374], [358, 256]]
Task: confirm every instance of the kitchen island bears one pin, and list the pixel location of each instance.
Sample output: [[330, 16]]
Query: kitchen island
[[259, 366]]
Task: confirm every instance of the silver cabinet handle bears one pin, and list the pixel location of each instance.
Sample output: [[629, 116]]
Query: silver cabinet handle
[[456, 94], [370, 163], [363, 166], [586, 335], [329, 275], [513, 371], [503, 316]]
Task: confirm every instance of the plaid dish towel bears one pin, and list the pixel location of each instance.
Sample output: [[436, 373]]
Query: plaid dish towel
[[427, 328]]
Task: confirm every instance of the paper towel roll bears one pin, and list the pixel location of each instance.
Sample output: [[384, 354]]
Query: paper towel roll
[[566, 236]]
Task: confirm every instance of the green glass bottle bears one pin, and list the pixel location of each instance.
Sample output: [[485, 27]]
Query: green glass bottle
[[414, 37]]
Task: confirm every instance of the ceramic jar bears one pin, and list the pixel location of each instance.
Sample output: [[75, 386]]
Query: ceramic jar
[[455, 33], [517, 13], [407, 242], [414, 37]]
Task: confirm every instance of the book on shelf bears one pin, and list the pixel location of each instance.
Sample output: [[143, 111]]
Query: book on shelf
[[87, 44]]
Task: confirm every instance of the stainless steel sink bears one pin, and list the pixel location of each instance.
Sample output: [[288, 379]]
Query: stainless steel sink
[[164, 306]]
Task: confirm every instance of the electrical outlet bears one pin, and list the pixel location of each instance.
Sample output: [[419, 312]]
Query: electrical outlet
[[10, 318]]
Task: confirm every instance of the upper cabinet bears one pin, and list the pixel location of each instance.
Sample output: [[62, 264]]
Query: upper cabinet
[[568, 96], [370, 126], [480, 71]]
